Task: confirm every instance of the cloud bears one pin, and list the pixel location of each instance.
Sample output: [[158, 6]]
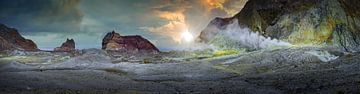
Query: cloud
[[193, 15], [175, 26], [212, 4], [32, 16]]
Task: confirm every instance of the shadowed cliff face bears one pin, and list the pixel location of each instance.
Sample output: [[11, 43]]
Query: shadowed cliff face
[[332, 22], [10, 39]]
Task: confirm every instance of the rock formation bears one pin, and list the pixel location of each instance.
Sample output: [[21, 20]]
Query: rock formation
[[213, 28], [5, 45], [114, 41], [67, 46], [10, 39], [332, 22]]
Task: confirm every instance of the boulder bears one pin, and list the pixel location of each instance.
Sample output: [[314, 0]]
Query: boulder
[[114, 41], [67, 46], [314, 22], [10, 39]]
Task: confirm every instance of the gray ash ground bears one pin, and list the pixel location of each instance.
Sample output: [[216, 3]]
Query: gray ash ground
[[274, 71]]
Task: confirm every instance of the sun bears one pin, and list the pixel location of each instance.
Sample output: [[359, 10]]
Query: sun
[[187, 36]]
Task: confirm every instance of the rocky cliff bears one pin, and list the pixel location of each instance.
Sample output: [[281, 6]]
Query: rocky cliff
[[10, 39], [114, 41], [68, 45], [331, 22]]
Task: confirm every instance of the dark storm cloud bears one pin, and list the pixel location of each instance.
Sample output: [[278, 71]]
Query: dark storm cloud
[[31, 16]]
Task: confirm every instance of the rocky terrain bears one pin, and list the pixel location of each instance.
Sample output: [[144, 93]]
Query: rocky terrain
[[10, 39], [285, 70], [67, 46], [114, 41]]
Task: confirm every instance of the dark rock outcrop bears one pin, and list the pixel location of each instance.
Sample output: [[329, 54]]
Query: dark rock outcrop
[[114, 41], [331, 22], [10, 39], [67, 46]]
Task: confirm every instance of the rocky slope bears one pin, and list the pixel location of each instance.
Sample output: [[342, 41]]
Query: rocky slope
[[114, 41], [10, 39], [332, 22], [68, 45], [5, 45]]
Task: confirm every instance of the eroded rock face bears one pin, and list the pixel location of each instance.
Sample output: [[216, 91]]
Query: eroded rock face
[[114, 41], [332, 22], [10, 39], [5, 45], [67, 46], [213, 28]]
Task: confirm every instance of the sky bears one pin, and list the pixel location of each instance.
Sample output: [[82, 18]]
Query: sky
[[50, 22]]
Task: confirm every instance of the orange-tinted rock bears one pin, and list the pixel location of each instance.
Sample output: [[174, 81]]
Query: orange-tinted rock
[[11, 40], [67, 46], [114, 41]]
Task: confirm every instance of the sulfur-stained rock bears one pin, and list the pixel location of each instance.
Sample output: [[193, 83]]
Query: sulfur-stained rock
[[114, 41]]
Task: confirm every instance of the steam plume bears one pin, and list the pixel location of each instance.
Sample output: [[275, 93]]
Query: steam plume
[[248, 38]]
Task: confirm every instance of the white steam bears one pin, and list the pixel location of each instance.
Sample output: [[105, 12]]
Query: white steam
[[239, 38], [192, 46], [248, 38]]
